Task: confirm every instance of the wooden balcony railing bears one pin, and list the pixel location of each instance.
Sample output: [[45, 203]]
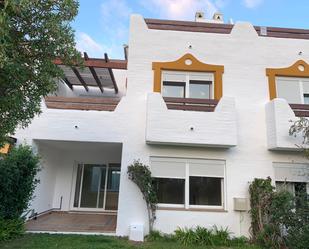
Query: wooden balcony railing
[[300, 110], [190, 104], [78, 103]]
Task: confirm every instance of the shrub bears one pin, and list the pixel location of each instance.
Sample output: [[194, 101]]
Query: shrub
[[204, 236], [10, 229], [140, 174], [207, 237], [17, 183], [278, 218], [221, 236], [186, 236]]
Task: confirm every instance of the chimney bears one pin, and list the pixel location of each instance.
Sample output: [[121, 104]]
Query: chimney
[[217, 17], [199, 16]]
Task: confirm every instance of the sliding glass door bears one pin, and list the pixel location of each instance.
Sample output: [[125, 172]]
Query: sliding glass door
[[97, 186]]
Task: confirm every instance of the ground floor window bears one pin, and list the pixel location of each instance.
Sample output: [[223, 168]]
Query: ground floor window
[[293, 177], [189, 183]]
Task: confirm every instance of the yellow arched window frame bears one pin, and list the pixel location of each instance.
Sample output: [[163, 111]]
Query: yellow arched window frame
[[189, 63], [299, 69]]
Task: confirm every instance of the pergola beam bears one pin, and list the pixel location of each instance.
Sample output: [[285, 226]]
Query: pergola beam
[[68, 83], [100, 63], [80, 78], [111, 73], [94, 74]]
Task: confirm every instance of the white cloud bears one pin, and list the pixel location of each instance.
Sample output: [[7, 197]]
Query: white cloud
[[85, 43], [252, 3], [182, 9]]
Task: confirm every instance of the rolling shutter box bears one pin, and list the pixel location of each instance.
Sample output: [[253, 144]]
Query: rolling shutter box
[[176, 167], [212, 168], [291, 172], [168, 167]]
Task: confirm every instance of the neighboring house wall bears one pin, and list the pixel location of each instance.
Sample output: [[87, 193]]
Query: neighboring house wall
[[245, 56]]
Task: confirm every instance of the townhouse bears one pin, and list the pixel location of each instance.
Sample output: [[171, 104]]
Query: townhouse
[[207, 105]]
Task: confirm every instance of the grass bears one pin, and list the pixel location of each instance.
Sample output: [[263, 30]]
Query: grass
[[57, 241]]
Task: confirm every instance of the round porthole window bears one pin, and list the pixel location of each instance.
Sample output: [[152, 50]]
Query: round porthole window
[[301, 68], [188, 62]]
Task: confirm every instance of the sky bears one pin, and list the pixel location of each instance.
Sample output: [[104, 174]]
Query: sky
[[102, 26]]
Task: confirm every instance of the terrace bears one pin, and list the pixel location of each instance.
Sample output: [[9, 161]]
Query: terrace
[[93, 86]]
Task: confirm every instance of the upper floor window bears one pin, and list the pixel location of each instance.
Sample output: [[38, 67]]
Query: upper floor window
[[290, 83], [188, 77], [187, 85], [294, 90]]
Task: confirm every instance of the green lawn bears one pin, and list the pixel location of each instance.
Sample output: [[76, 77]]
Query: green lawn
[[46, 241]]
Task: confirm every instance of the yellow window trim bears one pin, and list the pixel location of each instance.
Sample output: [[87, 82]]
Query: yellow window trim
[[189, 63], [299, 69]]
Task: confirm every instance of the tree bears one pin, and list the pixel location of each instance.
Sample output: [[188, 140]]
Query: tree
[[141, 176], [18, 180], [32, 34], [301, 127]]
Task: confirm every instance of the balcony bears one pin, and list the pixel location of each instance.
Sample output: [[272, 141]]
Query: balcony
[[279, 118], [191, 122], [79, 103]]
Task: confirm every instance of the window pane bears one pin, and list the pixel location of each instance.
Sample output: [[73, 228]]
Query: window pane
[[205, 191], [170, 191], [289, 89], [112, 192], [200, 89], [173, 89], [306, 98], [90, 187]]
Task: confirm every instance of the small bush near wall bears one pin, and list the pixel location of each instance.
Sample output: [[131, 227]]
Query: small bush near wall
[[278, 219], [200, 236], [18, 170]]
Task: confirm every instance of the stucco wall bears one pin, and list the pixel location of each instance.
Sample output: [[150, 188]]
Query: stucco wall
[[245, 56]]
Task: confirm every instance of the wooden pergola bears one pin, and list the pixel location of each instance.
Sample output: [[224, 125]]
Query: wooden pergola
[[94, 73]]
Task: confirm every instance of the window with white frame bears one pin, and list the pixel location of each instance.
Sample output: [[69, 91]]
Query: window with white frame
[[187, 84], [294, 90], [293, 177], [189, 183]]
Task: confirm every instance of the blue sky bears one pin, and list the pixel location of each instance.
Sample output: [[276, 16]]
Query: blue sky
[[103, 25]]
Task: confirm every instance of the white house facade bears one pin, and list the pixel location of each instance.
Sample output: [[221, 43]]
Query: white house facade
[[206, 105]]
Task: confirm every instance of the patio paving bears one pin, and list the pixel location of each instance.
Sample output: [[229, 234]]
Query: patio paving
[[74, 222]]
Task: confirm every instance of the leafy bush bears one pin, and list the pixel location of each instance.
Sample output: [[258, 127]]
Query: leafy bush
[[17, 183], [204, 236], [186, 236], [10, 229], [279, 219], [208, 237]]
